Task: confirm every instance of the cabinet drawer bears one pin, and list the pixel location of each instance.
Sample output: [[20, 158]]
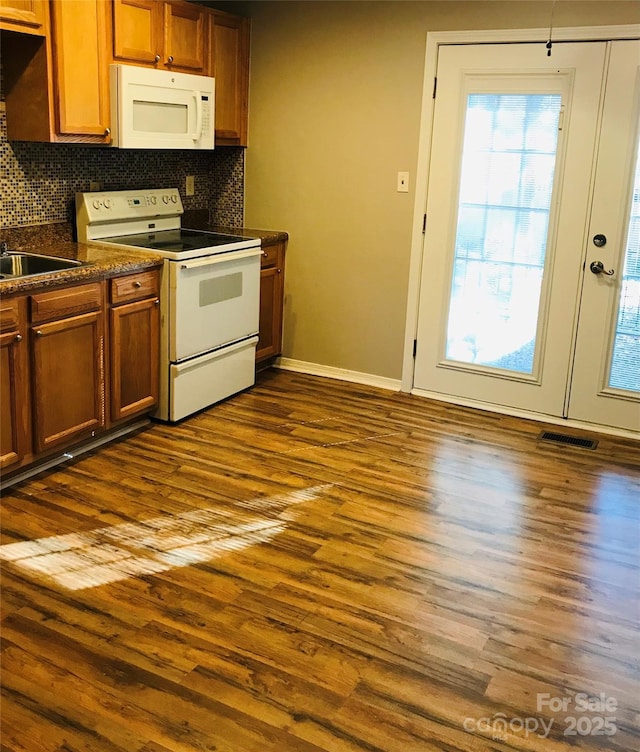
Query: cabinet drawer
[[8, 315], [270, 256], [68, 301], [134, 287]]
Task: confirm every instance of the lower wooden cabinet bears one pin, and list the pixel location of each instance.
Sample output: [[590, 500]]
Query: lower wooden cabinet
[[67, 364], [134, 340], [271, 302], [15, 412], [67, 380], [67, 372]]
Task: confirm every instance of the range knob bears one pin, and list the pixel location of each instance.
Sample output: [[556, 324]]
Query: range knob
[[107, 203], [174, 198], [96, 203], [165, 199], [153, 200]]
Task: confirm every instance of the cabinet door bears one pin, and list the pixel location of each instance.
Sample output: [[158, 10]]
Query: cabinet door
[[68, 379], [137, 30], [270, 329], [135, 331], [14, 386], [184, 37], [229, 39], [79, 33], [26, 16]]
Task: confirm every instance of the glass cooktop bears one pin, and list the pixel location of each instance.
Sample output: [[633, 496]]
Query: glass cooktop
[[178, 241]]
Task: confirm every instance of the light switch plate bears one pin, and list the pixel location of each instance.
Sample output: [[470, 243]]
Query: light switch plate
[[403, 182], [190, 185]]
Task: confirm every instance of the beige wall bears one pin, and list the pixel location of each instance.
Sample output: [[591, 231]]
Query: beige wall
[[335, 103]]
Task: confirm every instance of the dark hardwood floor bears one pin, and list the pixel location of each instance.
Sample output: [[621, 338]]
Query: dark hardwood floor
[[316, 566]]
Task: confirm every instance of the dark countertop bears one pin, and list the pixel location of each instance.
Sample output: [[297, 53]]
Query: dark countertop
[[267, 237], [103, 262], [198, 219]]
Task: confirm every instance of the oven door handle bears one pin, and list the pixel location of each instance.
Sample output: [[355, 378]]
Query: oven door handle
[[221, 258]]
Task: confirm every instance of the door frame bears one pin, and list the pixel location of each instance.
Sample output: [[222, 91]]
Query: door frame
[[434, 40]]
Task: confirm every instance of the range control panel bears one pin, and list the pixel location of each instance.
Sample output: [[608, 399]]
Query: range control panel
[[97, 210], [132, 204]]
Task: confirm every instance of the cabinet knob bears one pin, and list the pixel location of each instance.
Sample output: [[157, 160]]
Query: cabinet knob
[[38, 332], [279, 271], [137, 283], [156, 302], [156, 59], [265, 254], [107, 131], [170, 59], [18, 338]]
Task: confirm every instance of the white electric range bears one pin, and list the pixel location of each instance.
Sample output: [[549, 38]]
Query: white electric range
[[209, 299]]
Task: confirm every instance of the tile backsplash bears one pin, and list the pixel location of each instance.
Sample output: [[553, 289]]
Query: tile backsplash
[[38, 181]]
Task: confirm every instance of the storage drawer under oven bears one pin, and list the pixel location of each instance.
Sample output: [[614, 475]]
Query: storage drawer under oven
[[212, 377], [214, 300]]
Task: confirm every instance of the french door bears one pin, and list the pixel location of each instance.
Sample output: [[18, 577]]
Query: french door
[[530, 287]]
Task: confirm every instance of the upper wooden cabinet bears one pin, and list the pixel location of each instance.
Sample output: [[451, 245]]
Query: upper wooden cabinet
[[26, 16], [137, 33], [166, 35], [57, 88], [229, 52], [80, 65], [57, 81]]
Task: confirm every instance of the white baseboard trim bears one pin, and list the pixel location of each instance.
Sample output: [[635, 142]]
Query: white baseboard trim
[[368, 379], [342, 374], [527, 414]]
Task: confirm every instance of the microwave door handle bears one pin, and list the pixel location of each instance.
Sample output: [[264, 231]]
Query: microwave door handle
[[198, 131]]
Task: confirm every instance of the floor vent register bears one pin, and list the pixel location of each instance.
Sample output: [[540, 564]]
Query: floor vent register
[[563, 438]]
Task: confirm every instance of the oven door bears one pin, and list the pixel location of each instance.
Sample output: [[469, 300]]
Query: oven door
[[214, 300]]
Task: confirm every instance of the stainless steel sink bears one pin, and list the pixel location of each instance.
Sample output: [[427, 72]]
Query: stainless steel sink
[[15, 264]]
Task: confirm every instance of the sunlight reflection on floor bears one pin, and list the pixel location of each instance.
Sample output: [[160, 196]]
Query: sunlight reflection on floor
[[109, 554]]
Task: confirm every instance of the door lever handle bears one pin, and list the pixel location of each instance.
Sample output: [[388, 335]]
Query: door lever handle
[[597, 267]]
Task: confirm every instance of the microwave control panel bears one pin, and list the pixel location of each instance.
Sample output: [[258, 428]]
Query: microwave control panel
[[206, 114]]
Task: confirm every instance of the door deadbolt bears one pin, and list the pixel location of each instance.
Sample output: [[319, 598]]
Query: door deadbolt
[[599, 240]]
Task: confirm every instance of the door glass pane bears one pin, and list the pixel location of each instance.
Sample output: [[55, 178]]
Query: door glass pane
[[625, 363], [508, 165]]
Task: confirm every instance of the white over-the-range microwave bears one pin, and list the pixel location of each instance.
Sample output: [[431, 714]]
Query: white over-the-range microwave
[[155, 109]]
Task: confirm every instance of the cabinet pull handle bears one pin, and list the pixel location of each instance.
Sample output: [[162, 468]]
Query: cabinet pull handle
[[156, 59], [38, 332], [137, 283], [18, 338], [170, 59]]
